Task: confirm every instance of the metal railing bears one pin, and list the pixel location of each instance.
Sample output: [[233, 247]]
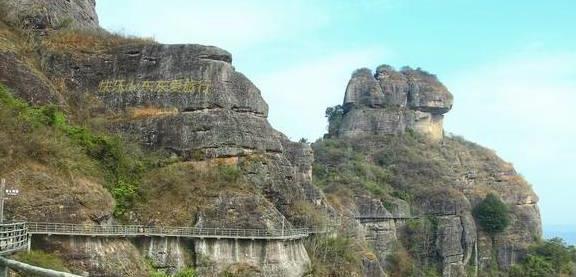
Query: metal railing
[[163, 231], [383, 217], [13, 237]]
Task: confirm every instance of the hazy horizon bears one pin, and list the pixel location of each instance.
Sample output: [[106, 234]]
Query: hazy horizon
[[513, 78]]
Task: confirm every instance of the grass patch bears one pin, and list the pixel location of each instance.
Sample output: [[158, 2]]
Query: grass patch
[[335, 256], [28, 135], [305, 214], [43, 134], [42, 259], [340, 165], [177, 194], [89, 41]]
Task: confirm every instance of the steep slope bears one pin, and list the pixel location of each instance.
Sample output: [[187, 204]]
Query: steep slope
[[127, 130], [414, 190], [205, 148]]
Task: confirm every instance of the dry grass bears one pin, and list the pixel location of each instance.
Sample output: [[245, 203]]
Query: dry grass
[[241, 270], [89, 41], [7, 39], [146, 112], [24, 44], [336, 256], [176, 194], [211, 164]]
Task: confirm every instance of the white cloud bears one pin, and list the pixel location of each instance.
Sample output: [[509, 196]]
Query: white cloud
[[298, 94]]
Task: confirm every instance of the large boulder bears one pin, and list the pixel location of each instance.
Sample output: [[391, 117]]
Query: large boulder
[[363, 89], [391, 102], [426, 93], [55, 14]]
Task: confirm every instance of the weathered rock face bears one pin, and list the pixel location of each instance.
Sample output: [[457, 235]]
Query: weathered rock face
[[390, 102], [382, 237], [186, 99], [212, 257], [41, 14], [46, 195], [259, 258], [444, 182], [189, 100], [95, 256], [24, 80], [166, 254]]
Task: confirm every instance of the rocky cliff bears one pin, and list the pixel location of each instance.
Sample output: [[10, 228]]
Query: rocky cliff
[[106, 129], [413, 193], [227, 166], [55, 14], [391, 102]]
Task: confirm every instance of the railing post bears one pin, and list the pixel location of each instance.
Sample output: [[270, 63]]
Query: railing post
[[29, 246]]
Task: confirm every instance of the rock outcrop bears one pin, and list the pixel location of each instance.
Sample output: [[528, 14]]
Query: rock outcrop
[[54, 14], [187, 100], [391, 102], [369, 155], [389, 187]]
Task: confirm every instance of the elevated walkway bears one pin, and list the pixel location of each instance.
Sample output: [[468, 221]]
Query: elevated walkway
[[16, 236], [160, 231]]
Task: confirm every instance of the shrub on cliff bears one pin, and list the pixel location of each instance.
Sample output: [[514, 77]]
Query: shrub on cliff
[[492, 214], [418, 238], [334, 256], [44, 135], [533, 266], [547, 257], [400, 262], [334, 116]]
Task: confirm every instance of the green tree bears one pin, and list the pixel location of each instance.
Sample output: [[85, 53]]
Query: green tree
[[557, 253], [535, 266], [334, 116], [492, 214]]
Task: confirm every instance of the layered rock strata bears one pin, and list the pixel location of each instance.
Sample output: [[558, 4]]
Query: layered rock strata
[[391, 102]]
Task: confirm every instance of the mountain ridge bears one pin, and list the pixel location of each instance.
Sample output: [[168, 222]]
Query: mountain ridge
[[174, 135]]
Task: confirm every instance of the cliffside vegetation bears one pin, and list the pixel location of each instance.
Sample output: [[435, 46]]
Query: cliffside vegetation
[[42, 259], [492, 214], [547, 258], [135, 178], [336, 256], [53, 140], [228, 168], [89, 41], [438, 181], [334, 116]]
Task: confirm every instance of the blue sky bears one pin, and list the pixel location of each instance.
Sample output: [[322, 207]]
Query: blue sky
[[510, 64]]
